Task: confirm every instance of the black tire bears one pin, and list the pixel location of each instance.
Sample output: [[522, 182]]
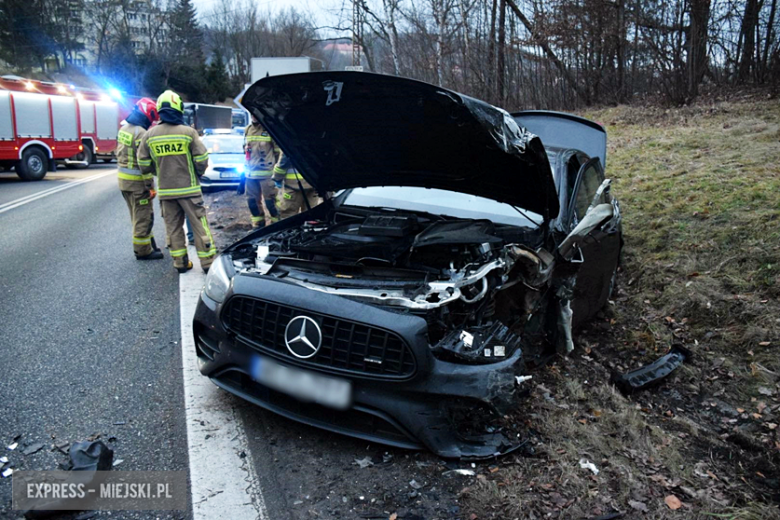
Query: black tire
[[85, 155], [33, 165]]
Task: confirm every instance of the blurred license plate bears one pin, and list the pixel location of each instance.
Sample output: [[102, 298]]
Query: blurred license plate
[[302, 384], [229, 175]]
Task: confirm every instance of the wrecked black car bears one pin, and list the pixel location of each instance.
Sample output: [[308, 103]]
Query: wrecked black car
[[458, 249]]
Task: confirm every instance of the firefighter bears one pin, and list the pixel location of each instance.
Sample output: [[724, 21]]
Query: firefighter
[[295, 194], [261, 156], [137, 188], [178, 157]]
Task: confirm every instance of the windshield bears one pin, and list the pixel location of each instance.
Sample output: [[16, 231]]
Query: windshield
[[224, 143], [239, 119], [440, 202]]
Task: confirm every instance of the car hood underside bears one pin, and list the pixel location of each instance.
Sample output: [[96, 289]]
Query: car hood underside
[[353, 129]]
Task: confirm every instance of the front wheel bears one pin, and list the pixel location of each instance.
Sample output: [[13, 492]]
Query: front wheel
[[32, 167], [83, 156]]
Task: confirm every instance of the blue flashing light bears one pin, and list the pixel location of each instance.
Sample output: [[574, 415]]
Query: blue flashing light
[[115, 93], [240, 169]]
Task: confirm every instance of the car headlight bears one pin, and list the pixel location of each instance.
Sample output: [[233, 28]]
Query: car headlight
[[217, 281]]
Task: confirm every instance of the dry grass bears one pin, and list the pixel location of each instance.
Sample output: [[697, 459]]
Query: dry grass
[[700, 193]]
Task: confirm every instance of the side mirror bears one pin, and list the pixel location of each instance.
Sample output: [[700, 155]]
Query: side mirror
[[595, 217]]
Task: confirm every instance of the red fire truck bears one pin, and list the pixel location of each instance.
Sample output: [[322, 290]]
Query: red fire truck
[[43, 124]]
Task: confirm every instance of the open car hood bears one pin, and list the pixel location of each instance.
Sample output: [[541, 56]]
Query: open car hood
[[355, 129]]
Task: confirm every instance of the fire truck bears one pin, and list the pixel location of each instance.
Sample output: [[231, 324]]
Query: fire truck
[[43, 124]]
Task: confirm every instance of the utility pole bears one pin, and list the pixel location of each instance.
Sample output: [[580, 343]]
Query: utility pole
[[357, 32]]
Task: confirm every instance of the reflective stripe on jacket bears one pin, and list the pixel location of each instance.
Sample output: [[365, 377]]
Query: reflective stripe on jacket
[[262, 152], [284, 170], [179, 158], [128, 140]]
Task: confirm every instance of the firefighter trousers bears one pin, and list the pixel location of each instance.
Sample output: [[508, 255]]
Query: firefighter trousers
[[139, 202], [173, 211], [293, 201], [261, 198]]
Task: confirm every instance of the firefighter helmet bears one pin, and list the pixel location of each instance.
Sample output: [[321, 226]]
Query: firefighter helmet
[[148, 108], [170, 99]]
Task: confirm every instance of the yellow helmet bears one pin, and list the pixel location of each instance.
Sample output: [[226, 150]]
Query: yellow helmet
[[169, 99]]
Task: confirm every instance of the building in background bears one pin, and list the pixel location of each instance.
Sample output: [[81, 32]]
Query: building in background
[[105, 29]]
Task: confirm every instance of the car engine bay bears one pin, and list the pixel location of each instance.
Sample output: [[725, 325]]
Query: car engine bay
[[480, 286]]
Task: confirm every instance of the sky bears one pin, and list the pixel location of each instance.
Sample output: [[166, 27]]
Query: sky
[[320, 9]]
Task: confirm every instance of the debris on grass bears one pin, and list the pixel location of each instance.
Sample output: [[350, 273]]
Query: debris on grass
[[462, 472], [586, 464], [652, 374]]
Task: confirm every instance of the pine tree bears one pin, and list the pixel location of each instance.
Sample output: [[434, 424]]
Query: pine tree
[[217, 82], [188, 65]]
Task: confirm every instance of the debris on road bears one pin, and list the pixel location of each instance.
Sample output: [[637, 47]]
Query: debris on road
[[586, 464], [90, 456], [415, 485], [364, 463], [652, 374], [86, 458], [13, 446], [33, 448], [7, 473], [3, 460], [117, 462]]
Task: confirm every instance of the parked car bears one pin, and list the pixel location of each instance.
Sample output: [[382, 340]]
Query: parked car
[[226, 160], [458, 253]]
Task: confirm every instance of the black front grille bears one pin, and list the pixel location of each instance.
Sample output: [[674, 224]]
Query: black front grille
[[347, 346]]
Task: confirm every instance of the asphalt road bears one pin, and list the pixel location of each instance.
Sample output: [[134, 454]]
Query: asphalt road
[[91, 345], [89, 342]]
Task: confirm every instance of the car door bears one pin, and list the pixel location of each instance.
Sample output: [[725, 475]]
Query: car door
[[600, 251]]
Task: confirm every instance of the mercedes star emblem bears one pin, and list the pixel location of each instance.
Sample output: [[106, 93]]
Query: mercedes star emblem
[[303, 337]]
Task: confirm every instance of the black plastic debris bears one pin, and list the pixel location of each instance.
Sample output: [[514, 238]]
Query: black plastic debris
[[33, 448], [652, 374], [90, 456], [85, 457]]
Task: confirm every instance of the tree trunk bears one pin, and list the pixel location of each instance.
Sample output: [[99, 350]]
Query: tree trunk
[[697, 45], [491, 51], [500, 66], [748, 34], [540, 41], [390, 8], [768, 43]]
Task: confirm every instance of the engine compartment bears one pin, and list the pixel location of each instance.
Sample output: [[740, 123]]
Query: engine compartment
[[450, 271]]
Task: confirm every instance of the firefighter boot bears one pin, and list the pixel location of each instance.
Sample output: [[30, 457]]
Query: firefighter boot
[[186, 268], [154, 255]]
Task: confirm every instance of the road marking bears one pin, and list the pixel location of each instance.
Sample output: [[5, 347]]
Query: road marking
[[224, 483], [8, 206]]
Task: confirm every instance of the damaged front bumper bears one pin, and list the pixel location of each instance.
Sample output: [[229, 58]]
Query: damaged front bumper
[[440, 405]]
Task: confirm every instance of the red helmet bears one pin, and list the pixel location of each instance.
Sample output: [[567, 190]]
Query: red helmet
[[148, 107]]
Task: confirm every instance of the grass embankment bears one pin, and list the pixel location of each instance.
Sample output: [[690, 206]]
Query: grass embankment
[[700, 192]]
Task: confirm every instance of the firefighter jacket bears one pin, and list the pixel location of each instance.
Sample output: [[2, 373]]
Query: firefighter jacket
[[177, 156], [128, 172], [261, 151], [285, 171]]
